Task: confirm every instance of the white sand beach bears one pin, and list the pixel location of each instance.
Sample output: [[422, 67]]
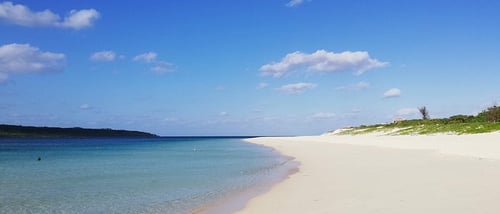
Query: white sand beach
[[386, 174]]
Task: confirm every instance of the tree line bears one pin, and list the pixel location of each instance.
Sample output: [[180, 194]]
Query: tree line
[[30, 131], [491, 114]]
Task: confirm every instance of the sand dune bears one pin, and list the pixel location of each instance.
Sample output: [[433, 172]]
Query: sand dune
[[386, 174]]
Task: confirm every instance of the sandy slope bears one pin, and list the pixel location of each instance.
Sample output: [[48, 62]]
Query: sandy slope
[[386, 174]]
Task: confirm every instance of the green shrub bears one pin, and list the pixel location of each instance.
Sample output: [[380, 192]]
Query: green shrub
[[492, 114]]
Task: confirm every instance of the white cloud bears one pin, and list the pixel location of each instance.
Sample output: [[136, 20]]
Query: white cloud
[[294, 3], [323, 115], [23, 58], [162, 67], [262, 85], [85, 107], [407, 111], [21, 15], [223, 114], [159, 67], [105, 56], [323, 61], [146, 57], [79, 19], [393, 92], [296, 88], [357, 86]]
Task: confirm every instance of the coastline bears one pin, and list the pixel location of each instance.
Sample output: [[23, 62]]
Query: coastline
[[385, 174], [237, 201]]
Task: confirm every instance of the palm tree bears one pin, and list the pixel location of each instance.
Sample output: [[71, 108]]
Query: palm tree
[[424, 112]]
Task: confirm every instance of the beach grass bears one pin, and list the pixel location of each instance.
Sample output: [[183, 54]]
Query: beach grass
[[412, 127], [484, 122]]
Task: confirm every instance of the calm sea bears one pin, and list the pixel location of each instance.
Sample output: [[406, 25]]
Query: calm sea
[[163, 175]]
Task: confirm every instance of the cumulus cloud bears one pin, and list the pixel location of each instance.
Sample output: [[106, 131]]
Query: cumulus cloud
[[104, 56], [79, 19], [223, 114], [85, 107], [23, 58], [393, 92], [262, 85], [159, 67], [407, 111], [294, 3], [323, 61], [357, 86], [296, 88], [162, 67], [323, 115], [146, 57], [21, 15]]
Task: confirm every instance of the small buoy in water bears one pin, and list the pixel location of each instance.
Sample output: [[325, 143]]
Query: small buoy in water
[[39, 158]]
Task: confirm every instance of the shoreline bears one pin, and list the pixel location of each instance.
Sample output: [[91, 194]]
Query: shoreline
[[237, 201], [385, 174]]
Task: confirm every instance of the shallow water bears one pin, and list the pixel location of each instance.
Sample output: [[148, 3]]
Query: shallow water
[[164, 175]]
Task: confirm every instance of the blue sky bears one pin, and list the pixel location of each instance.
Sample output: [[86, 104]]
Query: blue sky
[[244, 67]]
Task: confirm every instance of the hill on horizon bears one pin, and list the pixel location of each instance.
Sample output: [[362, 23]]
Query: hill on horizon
[[17, 131]]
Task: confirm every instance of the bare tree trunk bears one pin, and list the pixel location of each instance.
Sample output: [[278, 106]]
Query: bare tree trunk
[[424, 112]]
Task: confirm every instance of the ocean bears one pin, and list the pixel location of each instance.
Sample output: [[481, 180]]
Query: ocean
[[158, 175]]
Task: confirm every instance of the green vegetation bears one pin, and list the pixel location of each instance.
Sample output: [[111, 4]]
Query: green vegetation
[[486, 121], [10, 131]]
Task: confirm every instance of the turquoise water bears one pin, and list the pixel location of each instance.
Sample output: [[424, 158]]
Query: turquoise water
[[164, 175]]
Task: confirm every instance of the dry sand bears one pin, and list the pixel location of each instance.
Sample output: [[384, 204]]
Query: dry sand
[[386, 174]]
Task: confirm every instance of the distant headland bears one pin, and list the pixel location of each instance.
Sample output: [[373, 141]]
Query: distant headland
[[14, 131]]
